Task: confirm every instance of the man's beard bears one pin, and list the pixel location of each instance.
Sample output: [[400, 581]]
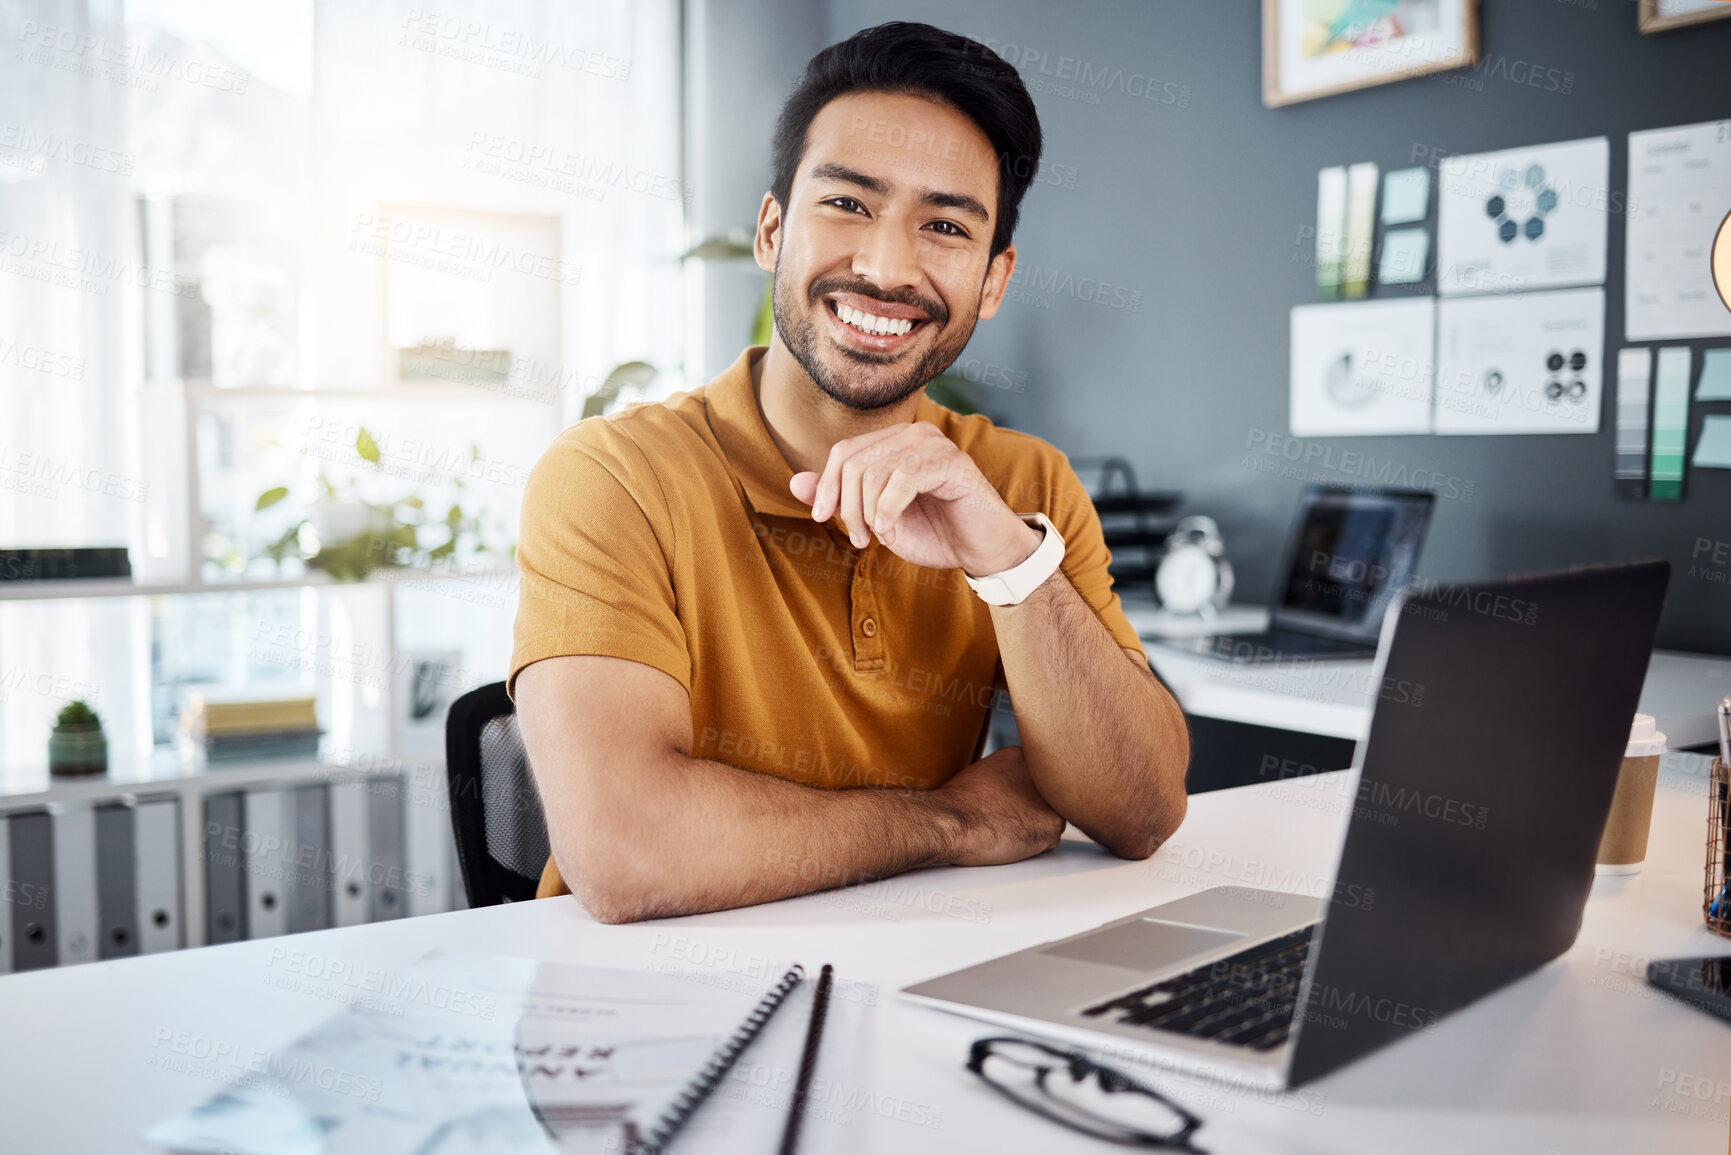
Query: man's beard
[[856, 389]]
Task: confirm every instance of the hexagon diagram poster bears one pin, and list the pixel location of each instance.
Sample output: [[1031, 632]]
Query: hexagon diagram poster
[[1524, 218]]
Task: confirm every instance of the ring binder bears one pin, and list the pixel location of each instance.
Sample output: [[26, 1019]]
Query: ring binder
[[719, 1064]]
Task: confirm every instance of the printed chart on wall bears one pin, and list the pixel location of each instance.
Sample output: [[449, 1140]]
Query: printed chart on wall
[[1524, 218], [1526, 363], [1679, 194], [1362, 368]]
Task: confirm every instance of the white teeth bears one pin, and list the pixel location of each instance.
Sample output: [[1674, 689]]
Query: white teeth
[[870, 323]]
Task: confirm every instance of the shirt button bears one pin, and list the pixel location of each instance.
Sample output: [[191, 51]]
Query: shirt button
[[869, 627]]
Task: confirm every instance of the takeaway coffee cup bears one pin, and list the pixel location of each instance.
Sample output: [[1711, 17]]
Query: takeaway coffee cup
[[1623, 847]]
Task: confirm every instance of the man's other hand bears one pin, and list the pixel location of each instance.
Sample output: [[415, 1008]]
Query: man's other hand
[[1001, 817]]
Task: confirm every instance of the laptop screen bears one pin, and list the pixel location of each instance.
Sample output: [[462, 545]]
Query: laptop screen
[[1352, 551]]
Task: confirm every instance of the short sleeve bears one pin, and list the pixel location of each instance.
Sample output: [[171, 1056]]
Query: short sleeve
[[595, 575], [1086, 557]]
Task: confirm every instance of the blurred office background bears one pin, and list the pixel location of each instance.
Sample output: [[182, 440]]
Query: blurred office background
[[278, 278]]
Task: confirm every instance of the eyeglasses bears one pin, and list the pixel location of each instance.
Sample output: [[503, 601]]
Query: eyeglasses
[[1069, 1088]]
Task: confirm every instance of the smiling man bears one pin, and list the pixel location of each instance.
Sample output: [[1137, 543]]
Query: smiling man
[[763, 624]]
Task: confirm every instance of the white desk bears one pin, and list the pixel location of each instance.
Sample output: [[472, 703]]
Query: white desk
[[1334, 697], [1577, 1058]]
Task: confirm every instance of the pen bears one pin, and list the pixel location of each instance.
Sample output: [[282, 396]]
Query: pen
[[1721, 906], [807, 1062], [1723, 710]]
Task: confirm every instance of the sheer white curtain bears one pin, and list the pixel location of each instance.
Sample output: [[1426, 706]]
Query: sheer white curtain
[[187, 189]]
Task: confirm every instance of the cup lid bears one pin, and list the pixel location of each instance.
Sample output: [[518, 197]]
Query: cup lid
[[1645, 739]]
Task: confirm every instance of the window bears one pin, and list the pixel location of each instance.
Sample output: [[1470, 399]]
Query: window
[[349, 254]]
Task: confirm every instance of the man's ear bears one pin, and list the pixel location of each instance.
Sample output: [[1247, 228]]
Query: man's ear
[[997, 282], [767, 242]]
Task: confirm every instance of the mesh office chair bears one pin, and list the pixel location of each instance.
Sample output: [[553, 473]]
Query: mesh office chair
[[496, 815]]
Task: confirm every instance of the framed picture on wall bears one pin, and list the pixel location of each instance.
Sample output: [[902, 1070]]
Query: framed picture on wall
[[1660, 15], [1313, 48]]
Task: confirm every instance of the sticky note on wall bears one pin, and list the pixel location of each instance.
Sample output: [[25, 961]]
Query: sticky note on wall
[[1330, 229], [1713, 451], [1715, 383], [1670, 423], [1360, 227]]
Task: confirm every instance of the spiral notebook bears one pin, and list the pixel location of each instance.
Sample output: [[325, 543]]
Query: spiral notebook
[[468, 1053]]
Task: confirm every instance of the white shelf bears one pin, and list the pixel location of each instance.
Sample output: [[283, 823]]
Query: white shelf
[[166, 771], [487, 391], [126, 588]]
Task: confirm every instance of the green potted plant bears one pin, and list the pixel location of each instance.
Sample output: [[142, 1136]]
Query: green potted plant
[[76, 744], [348, 536]]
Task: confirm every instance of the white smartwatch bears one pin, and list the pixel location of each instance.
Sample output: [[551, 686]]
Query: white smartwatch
[[1012, 586]]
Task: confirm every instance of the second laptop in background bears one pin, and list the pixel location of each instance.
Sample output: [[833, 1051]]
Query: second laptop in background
[[1350, 552]]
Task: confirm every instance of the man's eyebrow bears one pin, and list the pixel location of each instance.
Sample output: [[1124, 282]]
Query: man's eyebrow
[[962, 201], [841, 172]]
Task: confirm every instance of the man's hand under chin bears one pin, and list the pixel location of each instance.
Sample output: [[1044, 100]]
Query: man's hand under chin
[[925, 500]]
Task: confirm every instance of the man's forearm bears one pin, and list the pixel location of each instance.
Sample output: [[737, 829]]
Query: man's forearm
[[688, 835], [1105, 742]]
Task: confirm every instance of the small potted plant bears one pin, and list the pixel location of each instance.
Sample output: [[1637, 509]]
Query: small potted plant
[[76, 744]]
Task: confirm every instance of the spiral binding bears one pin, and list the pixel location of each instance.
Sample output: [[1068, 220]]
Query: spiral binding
[[1716, 903], [719, 1064]]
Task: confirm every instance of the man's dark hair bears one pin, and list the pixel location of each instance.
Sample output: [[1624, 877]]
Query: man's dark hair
[[919, 60]]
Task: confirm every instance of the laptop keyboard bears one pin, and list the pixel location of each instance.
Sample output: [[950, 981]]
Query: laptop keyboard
[[1246, 999]]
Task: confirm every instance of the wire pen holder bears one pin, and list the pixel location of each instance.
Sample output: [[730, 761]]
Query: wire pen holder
[[1716, 904]]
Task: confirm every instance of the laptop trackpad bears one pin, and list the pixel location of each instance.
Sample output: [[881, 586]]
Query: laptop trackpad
[[1145, 945]]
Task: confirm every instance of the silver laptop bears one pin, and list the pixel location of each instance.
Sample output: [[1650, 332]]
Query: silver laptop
[[1483, 788]]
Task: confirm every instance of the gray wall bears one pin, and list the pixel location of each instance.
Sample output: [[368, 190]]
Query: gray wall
[[741, 57], [1196, 199]]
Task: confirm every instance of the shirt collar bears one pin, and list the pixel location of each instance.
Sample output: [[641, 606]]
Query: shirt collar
[[757, 464]]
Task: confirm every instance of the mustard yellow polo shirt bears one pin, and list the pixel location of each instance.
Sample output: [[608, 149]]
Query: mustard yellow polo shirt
[[666, 534]]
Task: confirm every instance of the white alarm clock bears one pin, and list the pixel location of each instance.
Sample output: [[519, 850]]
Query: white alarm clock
[[1194, 577]]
